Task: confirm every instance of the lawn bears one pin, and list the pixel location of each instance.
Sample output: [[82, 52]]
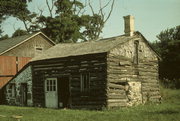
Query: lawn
[[168, 110]]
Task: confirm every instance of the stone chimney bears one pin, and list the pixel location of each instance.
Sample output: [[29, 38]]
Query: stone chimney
[[129, 25]]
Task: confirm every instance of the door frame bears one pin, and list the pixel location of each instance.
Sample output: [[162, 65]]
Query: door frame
[[45, 86]]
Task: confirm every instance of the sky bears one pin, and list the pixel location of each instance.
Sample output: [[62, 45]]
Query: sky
[[151, 16]]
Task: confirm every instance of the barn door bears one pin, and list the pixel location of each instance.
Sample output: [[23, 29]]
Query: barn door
[[51, 98]]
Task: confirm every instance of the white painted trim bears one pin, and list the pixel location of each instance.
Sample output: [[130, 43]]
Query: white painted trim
[[56, 90]]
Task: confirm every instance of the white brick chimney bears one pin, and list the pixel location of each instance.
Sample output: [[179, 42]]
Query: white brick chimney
[[129, 25]]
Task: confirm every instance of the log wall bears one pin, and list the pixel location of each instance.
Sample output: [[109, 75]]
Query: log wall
[[129, 83], [73, 67]]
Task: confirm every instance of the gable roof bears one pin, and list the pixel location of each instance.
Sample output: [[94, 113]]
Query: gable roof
[[8, 44], [92, 47]]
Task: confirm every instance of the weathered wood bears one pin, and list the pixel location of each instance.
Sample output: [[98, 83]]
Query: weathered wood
[[115, 86], [116, 91], [116, 96], [116, 101], [74, 66], [110, 105]]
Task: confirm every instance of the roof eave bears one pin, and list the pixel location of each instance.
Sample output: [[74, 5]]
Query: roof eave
[[156, 53]]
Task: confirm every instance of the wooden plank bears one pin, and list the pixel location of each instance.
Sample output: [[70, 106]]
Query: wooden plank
[[115, 86], [22, 61], [116, 101]]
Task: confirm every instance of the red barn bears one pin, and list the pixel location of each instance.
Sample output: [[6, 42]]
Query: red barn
[[16, 52]]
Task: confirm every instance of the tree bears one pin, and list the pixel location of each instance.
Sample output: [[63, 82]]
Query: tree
[[169, 49], [14, 8], [19, 32], [70, 23], [1, 19], [4, 37], [67, 20]]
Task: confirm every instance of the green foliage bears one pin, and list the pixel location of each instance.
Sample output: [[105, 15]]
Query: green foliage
[[168, 110], [66, 22], [69, 25], [14, 8], [19, 32], [173, 84], [169, 49], [4, 37]]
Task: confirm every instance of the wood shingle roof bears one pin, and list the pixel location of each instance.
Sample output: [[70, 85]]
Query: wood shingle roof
[[83, 48]]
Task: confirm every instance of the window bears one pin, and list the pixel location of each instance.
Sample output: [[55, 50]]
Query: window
[[136, 55], [38, 50], [51, 84], [85, 83]]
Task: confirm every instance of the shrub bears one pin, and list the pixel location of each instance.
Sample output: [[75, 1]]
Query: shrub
[[173, 84]]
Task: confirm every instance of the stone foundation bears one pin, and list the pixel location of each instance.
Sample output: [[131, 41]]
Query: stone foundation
[[134, 93]]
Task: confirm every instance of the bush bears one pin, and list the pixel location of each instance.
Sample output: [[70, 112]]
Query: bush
[[173, 84]]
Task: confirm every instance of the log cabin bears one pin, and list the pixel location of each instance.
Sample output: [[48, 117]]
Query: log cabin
[[16, 52], [113, 72]]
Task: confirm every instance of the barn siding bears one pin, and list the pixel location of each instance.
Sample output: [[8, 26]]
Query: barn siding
[[126, 79], [28, 47], [73, 67]]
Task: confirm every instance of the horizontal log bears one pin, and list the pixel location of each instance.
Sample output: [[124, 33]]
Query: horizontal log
[[117, 101], [149, 85], [148, 73], [119, 67], [121, 75], [116, 86], [113, 56], [150, 81], [116, 96], [150, 88], [116, 80], [110, 105], [116, 91], [125, 63]]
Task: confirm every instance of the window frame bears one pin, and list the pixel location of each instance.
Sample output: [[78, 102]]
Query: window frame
[[38, 50], [51, 84]]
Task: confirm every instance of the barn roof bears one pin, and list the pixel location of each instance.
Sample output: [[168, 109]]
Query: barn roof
[[83, 48], [8, 44]]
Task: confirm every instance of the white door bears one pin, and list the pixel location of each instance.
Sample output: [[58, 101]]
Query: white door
[[51, 97]]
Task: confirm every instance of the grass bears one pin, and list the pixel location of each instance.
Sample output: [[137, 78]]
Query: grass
[[168, 110]]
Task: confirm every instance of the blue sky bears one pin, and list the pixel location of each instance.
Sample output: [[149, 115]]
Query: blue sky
[[151, 16]]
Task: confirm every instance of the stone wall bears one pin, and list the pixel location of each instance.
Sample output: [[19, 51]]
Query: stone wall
[[134, 94], [13, 95], [137, 82]]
